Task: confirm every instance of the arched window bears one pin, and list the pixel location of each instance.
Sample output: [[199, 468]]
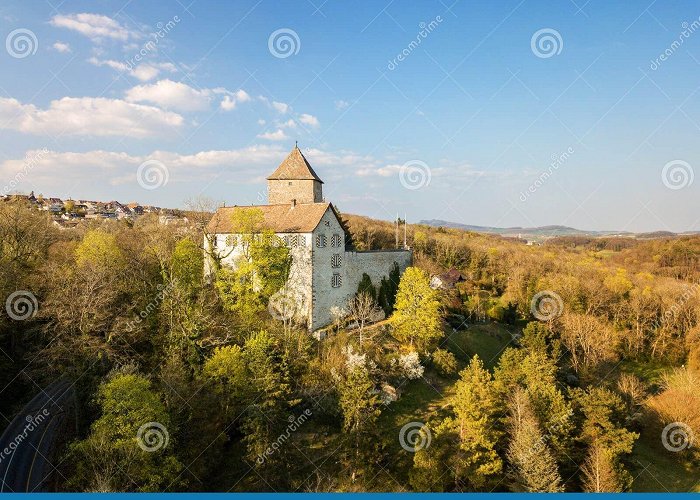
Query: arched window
[[336, 241], [336, 260]]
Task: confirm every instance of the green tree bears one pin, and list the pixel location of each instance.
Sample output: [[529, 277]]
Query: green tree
[[359, 404], [130, 447], [602, 429], [367, 287], [386, 296], [187, 266], [261, 267], [477, 409], [533, 465], [416, 320]]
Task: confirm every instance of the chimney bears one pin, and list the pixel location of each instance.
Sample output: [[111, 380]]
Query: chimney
[[294, 203]]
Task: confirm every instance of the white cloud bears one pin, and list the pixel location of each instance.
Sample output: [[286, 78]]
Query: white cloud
[[94, 26], [289, 124], [170, 94], [310, 120], [54, 171], [277, 135], [232, 98], [261, 122], [280, 106], [61, 47], [89, 116], [143, 72], [228, 103], [339, 105]]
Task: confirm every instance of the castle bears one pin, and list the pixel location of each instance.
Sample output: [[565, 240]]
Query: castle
[[324, 273]]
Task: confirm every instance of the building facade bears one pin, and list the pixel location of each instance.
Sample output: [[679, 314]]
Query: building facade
[[324, 273]]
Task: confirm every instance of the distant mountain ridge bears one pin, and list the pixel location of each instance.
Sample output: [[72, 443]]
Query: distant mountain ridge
[[541, 232]]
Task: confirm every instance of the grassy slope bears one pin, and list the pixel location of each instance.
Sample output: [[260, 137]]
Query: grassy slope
[[424, 398]]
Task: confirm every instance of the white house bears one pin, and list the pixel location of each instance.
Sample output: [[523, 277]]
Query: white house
[[324, 273]]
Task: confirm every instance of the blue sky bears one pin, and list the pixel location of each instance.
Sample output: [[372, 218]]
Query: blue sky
[[477, 123]]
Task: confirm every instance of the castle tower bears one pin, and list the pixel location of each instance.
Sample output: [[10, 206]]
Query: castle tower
[[294, 180]]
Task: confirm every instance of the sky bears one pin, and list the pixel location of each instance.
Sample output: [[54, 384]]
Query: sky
[[510, 113]]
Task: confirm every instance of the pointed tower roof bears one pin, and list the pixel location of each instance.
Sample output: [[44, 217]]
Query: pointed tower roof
[[295, 167]]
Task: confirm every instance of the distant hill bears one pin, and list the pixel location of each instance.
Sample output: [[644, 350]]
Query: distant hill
[[542, 232]]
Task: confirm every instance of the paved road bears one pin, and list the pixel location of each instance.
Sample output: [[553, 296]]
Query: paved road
[[28, 444]]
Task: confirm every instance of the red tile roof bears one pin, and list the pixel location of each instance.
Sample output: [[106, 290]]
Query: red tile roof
[[302, 218]]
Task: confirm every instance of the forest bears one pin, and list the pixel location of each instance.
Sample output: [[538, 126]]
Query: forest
[[567, 367]]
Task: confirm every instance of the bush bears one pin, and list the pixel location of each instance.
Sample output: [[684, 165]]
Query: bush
[[444, 362]]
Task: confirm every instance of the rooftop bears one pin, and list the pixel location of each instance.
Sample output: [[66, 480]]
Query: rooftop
[[295, 167], [286, 218]]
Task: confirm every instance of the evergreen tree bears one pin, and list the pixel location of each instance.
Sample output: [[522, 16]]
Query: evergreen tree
[[367, 287], [533, 466], [599, 474], [477, 409]]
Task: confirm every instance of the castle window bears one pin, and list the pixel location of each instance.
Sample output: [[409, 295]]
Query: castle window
[[293, 241], [290, 183], [336, 260], [336, 280], [301, 241], [336, 240], [320, 240]]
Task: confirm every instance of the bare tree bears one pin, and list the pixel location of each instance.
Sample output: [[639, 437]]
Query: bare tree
[[363, 308]]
